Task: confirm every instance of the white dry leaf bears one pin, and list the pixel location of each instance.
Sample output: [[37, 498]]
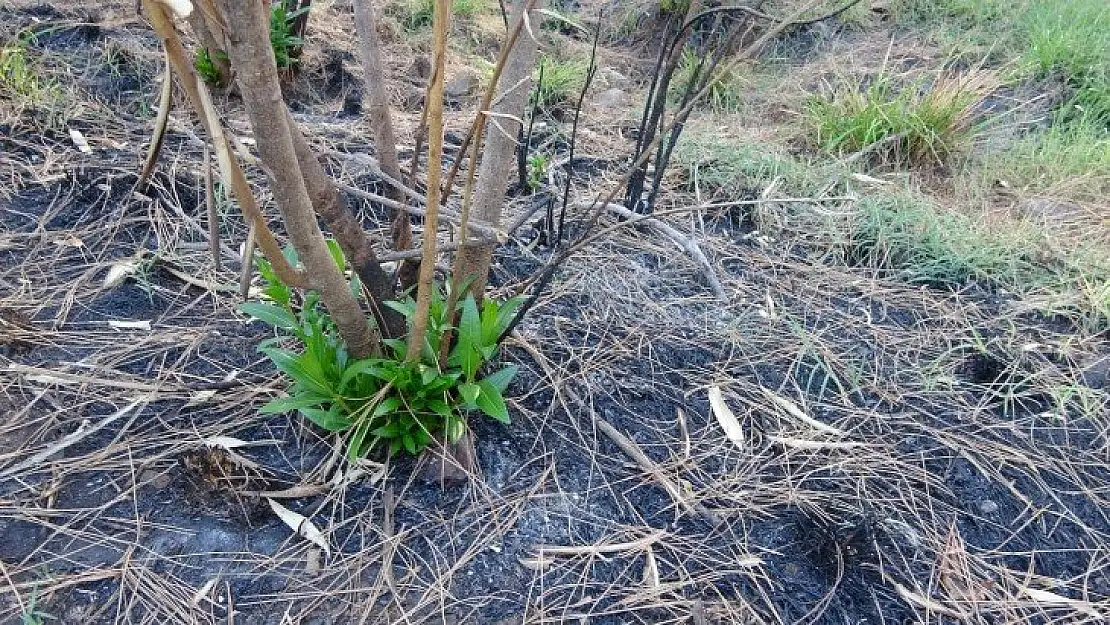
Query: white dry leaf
[[79, 141], [202, 593], [181, 8], [537, 563], [1050, 598], [201, 397], [864, 178], [725, 417], [651, 569], [795, 411], [801, 443], [301, 525], [129, 325], [225, 442], [118, 272], [45, 378], [69, 241]]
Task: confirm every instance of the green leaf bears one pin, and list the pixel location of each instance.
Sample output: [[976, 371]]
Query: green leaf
[[330, 420], [399, 347], [492, 403], [441, 408], [505, 314], [291, 365], [387, 406], [469, 392], [369, 366], [268, 313], [337, 254], [294, 402], [389, 430], [410, 443], [407, 307], [357, 442], [467, 355], [500, 379]]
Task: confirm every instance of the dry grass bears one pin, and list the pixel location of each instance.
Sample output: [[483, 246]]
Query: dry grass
[[953, 402]]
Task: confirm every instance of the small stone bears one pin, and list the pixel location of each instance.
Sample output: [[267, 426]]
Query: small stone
[[611, 98], [420, 69], [463, 84], [988, 507], [613, 78]]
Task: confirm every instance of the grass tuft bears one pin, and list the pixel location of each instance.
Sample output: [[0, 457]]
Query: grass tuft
[[915, 124], [725, 95], [562, 80], [418, 13]]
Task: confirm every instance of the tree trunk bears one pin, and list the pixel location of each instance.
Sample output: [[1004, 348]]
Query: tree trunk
[[253, 59], [473, 259], [381, 127], [348, 233]]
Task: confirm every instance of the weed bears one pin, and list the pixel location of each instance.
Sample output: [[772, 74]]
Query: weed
[[1070, 37], [1073, 151], [16, 76], [419, 12], [400, 403], [674, 7], [914, 124], [562, 81], [23, 90], [31, 614], [537, 171], [281, 34], [714, 162], [910, 235], [724, 95], [206, 67]]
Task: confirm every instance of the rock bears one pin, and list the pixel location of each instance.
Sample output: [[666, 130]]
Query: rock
[[988, 507], [613, 78], [452, 464], [462, 85], [420, 69], [610, 98]]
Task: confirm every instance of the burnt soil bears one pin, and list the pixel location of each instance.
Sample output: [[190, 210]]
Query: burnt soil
[[971, 464]]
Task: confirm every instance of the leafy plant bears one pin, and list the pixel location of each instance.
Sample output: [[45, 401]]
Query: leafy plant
[[388, 400], [537, 169], [206, 67], [281, 34], [16, 75]]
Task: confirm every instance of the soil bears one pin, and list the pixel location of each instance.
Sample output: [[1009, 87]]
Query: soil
[[972, 465]]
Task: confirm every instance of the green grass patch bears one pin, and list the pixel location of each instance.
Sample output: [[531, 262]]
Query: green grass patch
[[560, 81], [725, 94], [418, 13], [914, 124], [1071, 37], [17, 77], [732, 167], [1076, 153], [926, 243]]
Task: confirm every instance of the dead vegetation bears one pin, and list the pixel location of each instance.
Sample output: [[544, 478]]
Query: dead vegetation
[[899, 448]]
